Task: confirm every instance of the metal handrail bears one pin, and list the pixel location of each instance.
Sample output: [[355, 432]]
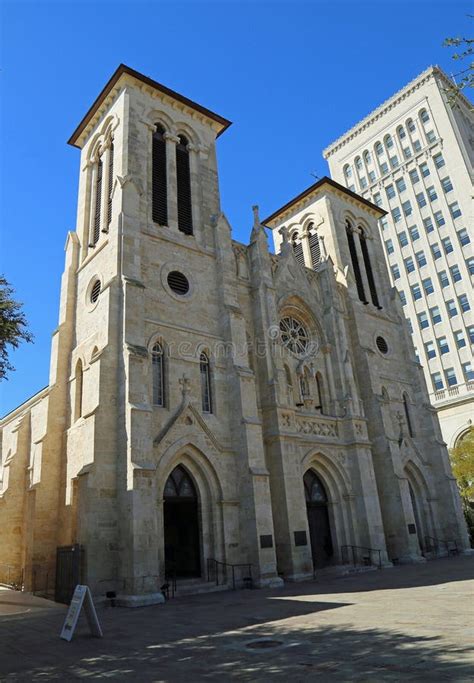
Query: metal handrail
[[355, 548], [217, 563]]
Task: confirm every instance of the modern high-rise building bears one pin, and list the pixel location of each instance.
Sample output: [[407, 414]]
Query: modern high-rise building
[[414, 157]]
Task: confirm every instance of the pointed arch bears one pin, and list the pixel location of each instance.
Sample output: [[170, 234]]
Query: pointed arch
[[368, 268], [355, 261], [206, 384], [158, 366]]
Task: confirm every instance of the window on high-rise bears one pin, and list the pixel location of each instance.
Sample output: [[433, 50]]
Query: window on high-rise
[[388, 141], [379, 148], [435, 315], [403, 239], [416, 145], [439, 218], [396, 214], [401, 185], [414, 234], [407, 152], [451, 308], [424, 116], [367, 157], [358, 163], [421, 200], [455, 210], [425, 171], [372, 176], [383, 222], [460, 340], [416, 291], [420, 259], [409, 325], [468, 371], [401, 132], [436, 251], [463, 237], [394, 161], [409, 264], [395, 271], [383, 168], [414, 177], [470, 265], [437, 380], [470, 333], [390, 192], [443, 345], [377, 199], [431, 136], [428, 286], [411, 125], [428, 224], [363, 182], [430, 350], [406, 206], [403, 297], [439, 160], [431, 192], [423, 321], [450, 377], [464, 303], [389, 246], [347, 171], [443, 278], [455, 273], [447, 245], [447, 184]]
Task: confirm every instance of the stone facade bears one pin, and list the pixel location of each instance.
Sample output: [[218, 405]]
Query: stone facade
[[88, 460]]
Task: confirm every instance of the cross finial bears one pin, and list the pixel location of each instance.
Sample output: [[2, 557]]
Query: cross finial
[[184, 382]]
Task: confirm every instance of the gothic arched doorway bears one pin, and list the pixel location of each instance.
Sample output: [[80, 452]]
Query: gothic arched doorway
[[318, 519], [181, 525]]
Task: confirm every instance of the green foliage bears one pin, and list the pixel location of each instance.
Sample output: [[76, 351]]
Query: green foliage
[[13, 325], [465, 76], [462, 463]]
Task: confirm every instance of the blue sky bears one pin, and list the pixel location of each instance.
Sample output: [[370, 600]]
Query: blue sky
[[292, 76]]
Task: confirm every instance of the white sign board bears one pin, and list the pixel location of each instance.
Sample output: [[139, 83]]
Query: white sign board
[[82, 596]]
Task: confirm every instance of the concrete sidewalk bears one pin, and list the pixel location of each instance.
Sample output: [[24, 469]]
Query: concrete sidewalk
[[408, 623]]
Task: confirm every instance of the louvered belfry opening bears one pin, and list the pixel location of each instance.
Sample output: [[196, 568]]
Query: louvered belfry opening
[[355, 263], [298, 250], [368, 270], [110, 181], [183, 176], [98, 202], [314, 247], [159, 182]]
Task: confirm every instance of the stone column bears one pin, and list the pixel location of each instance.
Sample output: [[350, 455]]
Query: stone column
[[171, 180]]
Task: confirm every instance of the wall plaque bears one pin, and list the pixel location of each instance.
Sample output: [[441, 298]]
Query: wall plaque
[[411, 529], [266, 541], [300, 538]]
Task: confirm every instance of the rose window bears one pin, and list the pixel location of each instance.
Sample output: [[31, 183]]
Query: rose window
[[294, 335]]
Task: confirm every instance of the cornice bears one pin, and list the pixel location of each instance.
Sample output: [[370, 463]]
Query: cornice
[[387, 106]]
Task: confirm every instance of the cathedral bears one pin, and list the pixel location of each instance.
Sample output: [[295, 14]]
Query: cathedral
[[212, 404]]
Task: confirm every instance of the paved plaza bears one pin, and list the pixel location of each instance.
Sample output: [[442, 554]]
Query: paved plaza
[[408, 623]]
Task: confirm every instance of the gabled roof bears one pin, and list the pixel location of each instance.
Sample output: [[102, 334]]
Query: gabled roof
[[124, 69], [313, 189]]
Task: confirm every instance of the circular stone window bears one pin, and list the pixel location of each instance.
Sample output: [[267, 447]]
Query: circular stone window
[[382, 345], [294, 335], [178, 283], [95, 291]]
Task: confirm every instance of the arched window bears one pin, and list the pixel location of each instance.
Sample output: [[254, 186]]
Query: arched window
[[314, 246], [206, 395], [401, 132], [407, 414], [379, 148], [424, 116], [297, 248], [388, 141], [183, 177], [358, 163], [98, 202], [158, 374], [110, 184], [367, 157], [368, 269], [159, 181], [355, 262], [411, 125], [347, 171], [289, 385], [78, 390]]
